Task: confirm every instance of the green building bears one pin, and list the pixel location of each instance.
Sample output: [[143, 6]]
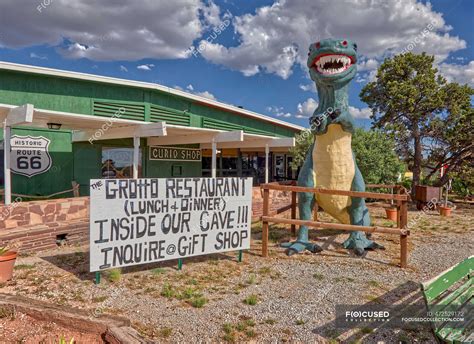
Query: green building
[[80, 126]]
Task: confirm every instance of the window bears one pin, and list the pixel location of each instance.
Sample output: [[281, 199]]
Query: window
[[117, 162]]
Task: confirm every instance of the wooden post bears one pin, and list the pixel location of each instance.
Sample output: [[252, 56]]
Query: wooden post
[[267, 153], [6, 163], [315, 211], [404, 238], [293, 212], [266, 196], [75, 188]]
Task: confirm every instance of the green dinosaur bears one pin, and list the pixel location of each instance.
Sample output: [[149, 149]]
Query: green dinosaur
[[330, 162]]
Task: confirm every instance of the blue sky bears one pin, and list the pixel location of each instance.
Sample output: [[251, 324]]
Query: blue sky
[[255, 50]]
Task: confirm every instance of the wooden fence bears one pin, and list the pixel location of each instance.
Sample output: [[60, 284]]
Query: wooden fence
[[74, 190], [400, 197]]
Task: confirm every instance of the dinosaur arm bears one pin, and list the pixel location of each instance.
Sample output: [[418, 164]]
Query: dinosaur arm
[[318, 123], [345, 120]]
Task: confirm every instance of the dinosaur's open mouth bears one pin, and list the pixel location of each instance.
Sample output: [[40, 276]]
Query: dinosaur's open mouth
[[332, 63]]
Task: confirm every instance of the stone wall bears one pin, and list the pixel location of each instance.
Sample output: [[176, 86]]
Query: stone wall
[[21, 214], [40, 225]]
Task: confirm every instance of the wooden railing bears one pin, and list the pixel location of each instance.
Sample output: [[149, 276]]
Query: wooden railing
[[400, 197], [74, 190]]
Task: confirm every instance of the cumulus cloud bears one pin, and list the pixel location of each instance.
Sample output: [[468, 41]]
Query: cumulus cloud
[[108, 29], [463, 74], [36, 56], [306, 109], [146, 67], [360, 113], [278, 111], [190, 89], [206, 94], [308, 87], [367, 65], [276, 37]]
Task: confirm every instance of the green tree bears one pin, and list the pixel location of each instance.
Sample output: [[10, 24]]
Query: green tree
[[374, 152], [410, 100], [376, 156], [303, 141]]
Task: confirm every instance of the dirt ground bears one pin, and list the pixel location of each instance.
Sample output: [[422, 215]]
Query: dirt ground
[[16, 327], [275, 299]]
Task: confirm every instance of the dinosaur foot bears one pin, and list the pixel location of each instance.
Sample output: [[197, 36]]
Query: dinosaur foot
[[359, 243], [299, 246]]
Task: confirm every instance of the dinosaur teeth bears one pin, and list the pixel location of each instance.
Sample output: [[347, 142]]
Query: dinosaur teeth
[[332, 64]]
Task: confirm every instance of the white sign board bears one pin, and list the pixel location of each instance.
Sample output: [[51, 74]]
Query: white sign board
[[29, 155], [139, 221]]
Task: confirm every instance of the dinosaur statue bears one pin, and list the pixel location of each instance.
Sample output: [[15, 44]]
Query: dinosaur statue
[[330, 162]]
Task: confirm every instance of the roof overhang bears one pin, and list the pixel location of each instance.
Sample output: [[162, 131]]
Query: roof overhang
[[178, 135], [94, 128], [85, 127]]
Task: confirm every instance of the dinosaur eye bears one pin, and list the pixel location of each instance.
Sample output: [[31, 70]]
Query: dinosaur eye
[[344, 43], [355, 47], [317, 45]]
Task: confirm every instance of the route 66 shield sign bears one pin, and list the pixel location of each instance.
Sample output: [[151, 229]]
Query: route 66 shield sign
[[29, 155]]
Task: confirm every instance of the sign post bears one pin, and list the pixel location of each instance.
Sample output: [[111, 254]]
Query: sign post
[[141, 221], [16, 116]]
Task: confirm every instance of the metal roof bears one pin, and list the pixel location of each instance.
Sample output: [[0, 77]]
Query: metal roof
[[146, 85]]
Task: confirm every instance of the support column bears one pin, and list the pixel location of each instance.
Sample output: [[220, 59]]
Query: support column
[[214, 158], [6, 163], [239, 163], [136, 156], [267, 152]]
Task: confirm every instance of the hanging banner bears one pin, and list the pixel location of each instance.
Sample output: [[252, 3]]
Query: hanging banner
[[139, 221], [174, 153], [29, 155]]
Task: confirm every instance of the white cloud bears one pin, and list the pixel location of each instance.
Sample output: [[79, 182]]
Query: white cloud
[[360, 113], [190, 89], [308, 87], [147, 67], [123, 68], [108, 29], [36, 56], [206, 94], [306, 109], [367, 65], [276, 37], [278, 111], [463, 74]]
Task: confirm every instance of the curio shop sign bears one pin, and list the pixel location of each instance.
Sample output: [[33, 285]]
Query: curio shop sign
[[174, 153]]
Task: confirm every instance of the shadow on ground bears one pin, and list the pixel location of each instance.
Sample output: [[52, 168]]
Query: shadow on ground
[[77, 263], [408, 295]]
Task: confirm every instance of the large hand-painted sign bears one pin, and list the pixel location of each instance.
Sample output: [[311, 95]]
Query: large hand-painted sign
[[30, 155], [138, 221], [175, 153]]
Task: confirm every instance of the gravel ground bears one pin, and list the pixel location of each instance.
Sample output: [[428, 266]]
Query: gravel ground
[[264, 300]]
